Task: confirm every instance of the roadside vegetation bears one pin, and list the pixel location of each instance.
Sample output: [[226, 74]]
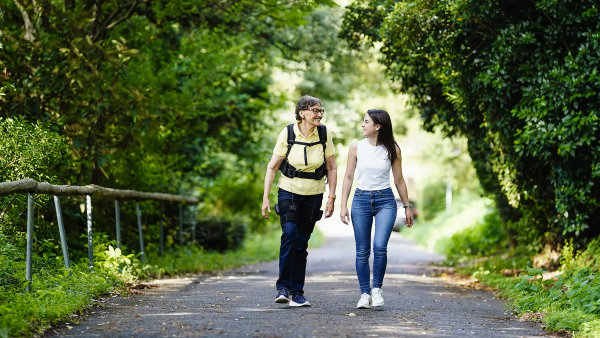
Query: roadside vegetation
[[186, 97], [517, 82], [180, 97], [60, 295], [558, 288]]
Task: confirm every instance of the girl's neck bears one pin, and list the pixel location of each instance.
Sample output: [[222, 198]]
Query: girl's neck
[[305, 128], [372, 140]]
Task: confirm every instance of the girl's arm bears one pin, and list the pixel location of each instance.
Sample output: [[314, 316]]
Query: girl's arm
[[401, 187]]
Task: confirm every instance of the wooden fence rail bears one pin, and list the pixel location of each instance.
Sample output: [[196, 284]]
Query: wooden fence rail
[[32, 187], [28, 185]]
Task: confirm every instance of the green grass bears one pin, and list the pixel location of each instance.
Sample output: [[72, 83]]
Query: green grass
[[466, 211], [472, 239], [194, 259], [570, 301], [56, 296]]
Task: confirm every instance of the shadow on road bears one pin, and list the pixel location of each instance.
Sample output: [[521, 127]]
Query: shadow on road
[[240, 302]]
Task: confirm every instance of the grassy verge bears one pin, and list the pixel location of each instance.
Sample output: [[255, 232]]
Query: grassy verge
[[57, 296], [567, 301], [466, 211], [563, 297]]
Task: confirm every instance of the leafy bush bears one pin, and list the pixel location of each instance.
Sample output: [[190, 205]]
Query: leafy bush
[[28, 150], [57, 294], [196, 259], [519, 80], [433, 200], [484, 239], [467, 209], [568, 299], [220, 234]]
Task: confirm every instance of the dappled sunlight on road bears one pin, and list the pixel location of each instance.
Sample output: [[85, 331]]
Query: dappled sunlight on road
[[333, 226], [240, 302]]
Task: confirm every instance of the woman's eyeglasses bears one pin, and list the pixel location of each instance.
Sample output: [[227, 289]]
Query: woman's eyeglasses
[[317, 110]]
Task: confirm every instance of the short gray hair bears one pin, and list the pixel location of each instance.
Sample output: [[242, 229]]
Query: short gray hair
[[305, 102]]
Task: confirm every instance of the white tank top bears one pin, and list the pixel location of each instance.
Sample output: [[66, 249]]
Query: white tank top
[[372, 166]]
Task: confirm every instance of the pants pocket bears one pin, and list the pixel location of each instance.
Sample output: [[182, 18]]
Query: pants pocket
[[287, 210], [308, 224]]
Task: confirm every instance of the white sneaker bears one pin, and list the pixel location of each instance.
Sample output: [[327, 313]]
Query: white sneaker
[[377, 295], [364, 302]]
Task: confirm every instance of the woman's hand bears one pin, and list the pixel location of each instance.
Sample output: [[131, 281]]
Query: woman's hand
[[344, 215], [266, 206], [409, 217], [329, 207]]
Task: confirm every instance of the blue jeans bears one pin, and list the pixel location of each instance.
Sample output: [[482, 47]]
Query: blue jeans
[[298, 215], [381, 205]]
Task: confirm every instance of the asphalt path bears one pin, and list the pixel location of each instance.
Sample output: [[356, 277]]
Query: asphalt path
[[240, 302]]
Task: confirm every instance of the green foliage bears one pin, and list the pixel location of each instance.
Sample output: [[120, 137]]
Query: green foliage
[[219, 234], [113, 261], [145, 94], [519, 80], [28, 150], [191, 259], [484, 239], [567, 299], [55, 296], [232, 193], [467, 210], [567, 302], [59, 295], [433, 200]]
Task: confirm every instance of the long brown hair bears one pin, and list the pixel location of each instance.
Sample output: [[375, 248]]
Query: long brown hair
[[386, 135]]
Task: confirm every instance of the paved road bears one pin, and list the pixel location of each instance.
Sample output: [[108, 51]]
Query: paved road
[[240, 302]]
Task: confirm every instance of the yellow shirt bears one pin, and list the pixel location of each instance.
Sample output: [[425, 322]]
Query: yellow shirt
[[314, 156]]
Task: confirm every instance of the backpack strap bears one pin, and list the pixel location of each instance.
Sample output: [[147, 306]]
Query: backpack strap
[[291, 139], [289, 170], [322, 130]]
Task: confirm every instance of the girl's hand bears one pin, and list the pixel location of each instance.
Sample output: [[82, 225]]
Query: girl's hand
[[409, 217], [344, 215]]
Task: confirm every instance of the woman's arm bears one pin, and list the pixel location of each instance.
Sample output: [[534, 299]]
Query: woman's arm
[[272, 168], [348, 179], [332, 179], [401, 186]]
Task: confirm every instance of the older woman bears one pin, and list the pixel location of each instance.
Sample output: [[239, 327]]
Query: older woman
[[305, 155]]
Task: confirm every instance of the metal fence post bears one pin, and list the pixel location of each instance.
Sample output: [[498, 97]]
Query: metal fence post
[[61, 232], [118, 223], [29, 240], [139, 221], [162, 229], [88, 208], [193, 224], [180, 225]]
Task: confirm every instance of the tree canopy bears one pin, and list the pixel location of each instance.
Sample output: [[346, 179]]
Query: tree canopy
[[520, 80]]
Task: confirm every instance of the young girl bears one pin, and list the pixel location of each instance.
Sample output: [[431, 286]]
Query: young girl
[[373, 157]]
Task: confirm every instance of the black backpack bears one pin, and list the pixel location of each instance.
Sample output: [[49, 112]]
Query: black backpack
[[290, 171]]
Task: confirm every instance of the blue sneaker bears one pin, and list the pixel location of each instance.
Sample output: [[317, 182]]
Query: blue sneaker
[[298, 300], [283, 296]]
